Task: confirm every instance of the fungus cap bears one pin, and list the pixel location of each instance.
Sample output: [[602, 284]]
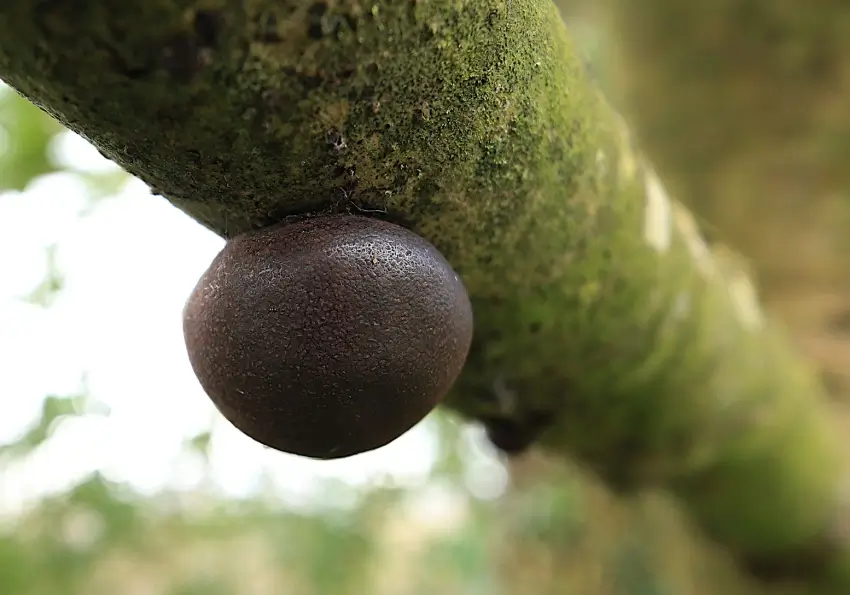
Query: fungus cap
[[327, 336]]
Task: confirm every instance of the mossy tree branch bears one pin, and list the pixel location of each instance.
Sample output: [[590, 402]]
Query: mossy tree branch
[[742, 107], [597, 305]]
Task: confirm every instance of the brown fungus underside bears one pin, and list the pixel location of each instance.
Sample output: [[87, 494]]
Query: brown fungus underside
[[328, 336]]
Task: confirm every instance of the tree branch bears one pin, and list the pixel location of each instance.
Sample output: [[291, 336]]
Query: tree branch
[[742, 107], [597, 305]]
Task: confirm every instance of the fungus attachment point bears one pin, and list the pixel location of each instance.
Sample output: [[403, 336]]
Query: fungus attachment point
[[328, 336]]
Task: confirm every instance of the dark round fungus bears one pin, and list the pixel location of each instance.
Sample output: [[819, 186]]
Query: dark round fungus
[[328, 336]]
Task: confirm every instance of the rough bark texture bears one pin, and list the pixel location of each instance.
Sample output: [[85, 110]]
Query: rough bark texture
[[473, 124]]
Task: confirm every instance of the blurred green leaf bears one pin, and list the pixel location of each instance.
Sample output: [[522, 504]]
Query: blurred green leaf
[[53, 409], [103, 185], [17, 567], [200, 444], [48, 290], [25, 133], [633, 570], [553, 513], [122, 520], [333, 555], [204, 586]]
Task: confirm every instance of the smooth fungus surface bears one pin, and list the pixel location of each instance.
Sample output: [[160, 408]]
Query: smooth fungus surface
[[327, 336]]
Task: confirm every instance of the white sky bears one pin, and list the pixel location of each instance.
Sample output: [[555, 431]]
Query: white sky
[[129, 265]]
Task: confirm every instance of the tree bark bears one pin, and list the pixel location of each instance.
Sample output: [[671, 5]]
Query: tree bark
[[597, 304]]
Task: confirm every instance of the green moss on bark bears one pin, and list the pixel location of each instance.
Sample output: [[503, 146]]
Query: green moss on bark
[[472, 123]]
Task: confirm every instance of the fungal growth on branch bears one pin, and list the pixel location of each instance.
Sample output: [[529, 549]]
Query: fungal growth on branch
[[327, 336]]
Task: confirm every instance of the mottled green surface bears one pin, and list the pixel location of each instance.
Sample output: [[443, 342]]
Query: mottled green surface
[[472, 123], [713, 81], [743, 107]]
